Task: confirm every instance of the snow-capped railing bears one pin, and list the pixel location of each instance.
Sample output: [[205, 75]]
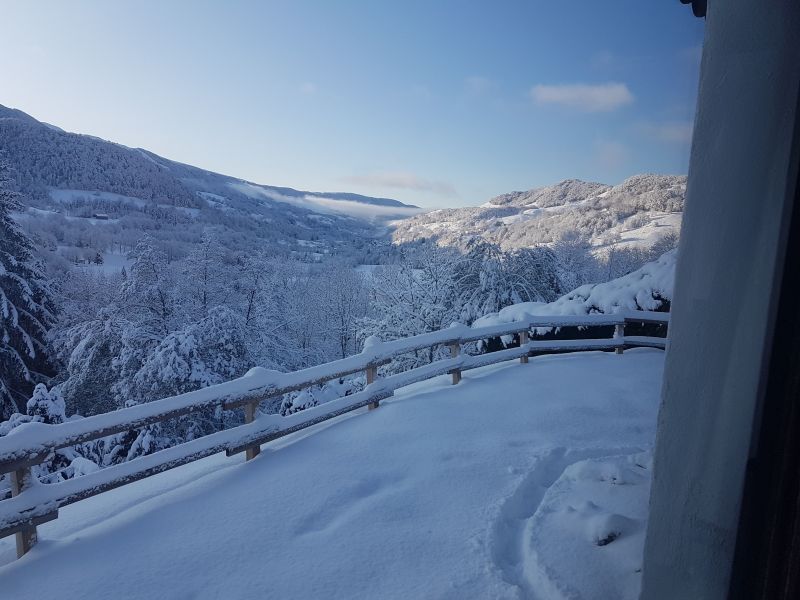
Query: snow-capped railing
[[33, 503]]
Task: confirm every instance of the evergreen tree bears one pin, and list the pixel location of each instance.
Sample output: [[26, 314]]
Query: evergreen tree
[[26, 308], [205, 353], [88, 353], [46, 406]]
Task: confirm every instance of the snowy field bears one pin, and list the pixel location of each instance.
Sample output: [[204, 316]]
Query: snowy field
[[524, 481]]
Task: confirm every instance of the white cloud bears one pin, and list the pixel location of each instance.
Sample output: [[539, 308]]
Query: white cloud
[[679, 132], [324, 205], [402, 181], [585, 97]]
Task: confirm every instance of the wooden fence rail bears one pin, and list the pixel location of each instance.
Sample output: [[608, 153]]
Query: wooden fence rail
[[32, 503]]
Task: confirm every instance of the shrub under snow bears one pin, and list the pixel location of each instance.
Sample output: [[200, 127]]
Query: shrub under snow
[[647, 288]]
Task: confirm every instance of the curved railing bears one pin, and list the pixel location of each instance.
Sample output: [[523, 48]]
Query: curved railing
[[31, 444]]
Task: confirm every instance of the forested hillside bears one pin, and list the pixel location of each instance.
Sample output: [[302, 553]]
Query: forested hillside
[[634, 214], [86, 198]]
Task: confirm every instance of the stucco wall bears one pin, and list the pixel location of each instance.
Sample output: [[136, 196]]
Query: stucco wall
[[736, 199]]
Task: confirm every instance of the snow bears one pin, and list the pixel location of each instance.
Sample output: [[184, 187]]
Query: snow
[[36, 211], [67, 196], [647, 234], [192, 212], [442, 492], [367, 271], [594, 515], [220, 203], [147, 156], [113, 262], [645, 289]]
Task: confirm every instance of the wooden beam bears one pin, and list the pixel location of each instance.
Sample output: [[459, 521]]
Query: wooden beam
[[647, 317], [21, 480], [274, 435], [372, 375], [523, 340], [29, 522], [455, 350], [619, 333], [249, 417]]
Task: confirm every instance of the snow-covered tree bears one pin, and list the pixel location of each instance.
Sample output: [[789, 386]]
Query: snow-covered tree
[[576, 263], [205, 277], [84, 294], [663, 244], [46, 406], [205, 353], [280, 306], [489, 279], [344, 302], [534, 275], [89, 354], [417, 296], [148, 294], [254, 272], [26, 308], [303, 399], [617, 260], [42, 407]]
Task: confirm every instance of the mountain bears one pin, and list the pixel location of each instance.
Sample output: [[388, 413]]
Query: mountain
[[85, 162], [88, 197], [68, 179], [636, 212]]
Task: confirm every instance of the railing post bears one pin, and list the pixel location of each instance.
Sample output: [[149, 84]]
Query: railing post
[[250, 416], [22, 479], [372, 375], [455, 350], [523, 339], [619, 333]]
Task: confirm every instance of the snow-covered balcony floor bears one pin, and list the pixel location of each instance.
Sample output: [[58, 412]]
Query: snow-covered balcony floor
[[433, 495]]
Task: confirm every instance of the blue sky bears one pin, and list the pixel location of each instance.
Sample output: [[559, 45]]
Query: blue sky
[[433, 103]]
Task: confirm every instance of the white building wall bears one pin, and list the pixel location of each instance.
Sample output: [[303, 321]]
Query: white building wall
[[735, 209]]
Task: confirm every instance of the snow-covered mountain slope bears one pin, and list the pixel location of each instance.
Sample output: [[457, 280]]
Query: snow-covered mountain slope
[[634, 213], [69, 178], [46, 157], [442, 492]]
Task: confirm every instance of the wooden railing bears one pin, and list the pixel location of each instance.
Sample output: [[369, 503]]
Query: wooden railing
[[33, 503]]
